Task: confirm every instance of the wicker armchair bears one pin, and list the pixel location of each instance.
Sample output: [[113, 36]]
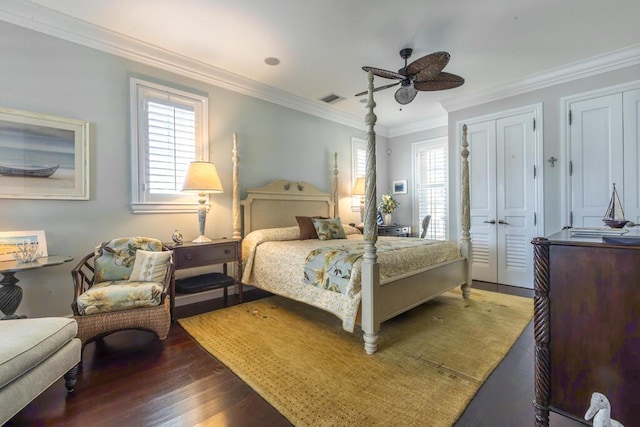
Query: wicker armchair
[[117, 288]]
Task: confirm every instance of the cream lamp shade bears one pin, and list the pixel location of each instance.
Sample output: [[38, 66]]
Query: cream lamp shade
[[202, 178], [358, 187], [359, 190]]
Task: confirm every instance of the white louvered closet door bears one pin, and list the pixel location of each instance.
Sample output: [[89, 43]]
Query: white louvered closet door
[[515, 199], [482, 176], [503, 200]]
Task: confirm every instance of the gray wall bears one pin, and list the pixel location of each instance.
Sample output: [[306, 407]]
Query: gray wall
[[44, 74]]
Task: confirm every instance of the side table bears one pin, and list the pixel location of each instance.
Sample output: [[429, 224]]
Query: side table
[[394, 230], [219, 251], [10, 292]]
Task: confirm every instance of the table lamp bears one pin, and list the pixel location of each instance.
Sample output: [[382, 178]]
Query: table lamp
[[358, 190], [202, 178]]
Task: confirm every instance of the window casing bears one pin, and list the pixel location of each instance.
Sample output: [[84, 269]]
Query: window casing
[[169, 130], [432, 186], [358, 167]]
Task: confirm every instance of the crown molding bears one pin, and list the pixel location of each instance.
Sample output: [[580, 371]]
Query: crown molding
[[47, 21], [588, 67]]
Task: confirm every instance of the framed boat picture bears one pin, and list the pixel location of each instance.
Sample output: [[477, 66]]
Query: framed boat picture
[[43, 156]]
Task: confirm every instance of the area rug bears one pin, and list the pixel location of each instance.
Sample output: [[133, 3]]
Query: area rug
[[430, 363]]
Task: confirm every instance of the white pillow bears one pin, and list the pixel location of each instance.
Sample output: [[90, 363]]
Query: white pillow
[[150, 266]]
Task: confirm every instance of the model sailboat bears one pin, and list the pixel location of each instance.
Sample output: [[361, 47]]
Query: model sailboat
[[614, 217]]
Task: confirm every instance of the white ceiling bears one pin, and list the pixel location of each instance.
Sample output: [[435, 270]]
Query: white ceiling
[[499, 46]]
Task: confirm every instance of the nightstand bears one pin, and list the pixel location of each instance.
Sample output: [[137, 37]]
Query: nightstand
[[191, 255], [394, 230]]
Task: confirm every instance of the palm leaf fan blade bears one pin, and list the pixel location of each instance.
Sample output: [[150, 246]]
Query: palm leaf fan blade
[[384, 73], [441, 82], [428, 67]]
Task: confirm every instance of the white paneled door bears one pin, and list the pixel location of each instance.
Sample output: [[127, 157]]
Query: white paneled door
[[503, 199], [631, 194], [596, 158], [604, 141]]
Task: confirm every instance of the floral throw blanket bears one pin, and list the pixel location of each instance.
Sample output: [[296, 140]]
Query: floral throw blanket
[[330, 267]]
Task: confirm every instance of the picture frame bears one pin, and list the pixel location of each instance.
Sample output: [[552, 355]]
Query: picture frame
[[400, 187], [9, 240], [43, 156]]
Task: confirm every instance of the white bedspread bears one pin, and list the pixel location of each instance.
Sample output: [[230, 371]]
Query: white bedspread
[[274, 260]]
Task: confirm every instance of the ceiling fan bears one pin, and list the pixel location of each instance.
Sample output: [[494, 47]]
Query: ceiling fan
[[423, 74]]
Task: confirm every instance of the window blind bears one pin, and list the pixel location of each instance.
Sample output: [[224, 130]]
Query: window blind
[[172, 145]]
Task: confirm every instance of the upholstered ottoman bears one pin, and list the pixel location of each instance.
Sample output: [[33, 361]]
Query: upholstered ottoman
[[34, 353]]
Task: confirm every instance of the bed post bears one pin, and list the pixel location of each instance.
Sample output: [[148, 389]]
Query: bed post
[[235, 204], [370, 266], [465, 238], [334, 193]]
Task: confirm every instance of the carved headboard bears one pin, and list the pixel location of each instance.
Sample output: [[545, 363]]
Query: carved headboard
[[278, 203]]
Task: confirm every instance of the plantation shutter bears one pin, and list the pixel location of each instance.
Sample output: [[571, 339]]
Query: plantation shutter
[[172, 145], [432, 187]]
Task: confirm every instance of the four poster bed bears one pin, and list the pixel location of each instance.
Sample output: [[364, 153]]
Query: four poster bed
[[378, 278]]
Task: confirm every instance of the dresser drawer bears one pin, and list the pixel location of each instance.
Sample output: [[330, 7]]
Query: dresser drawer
[[197, 256]]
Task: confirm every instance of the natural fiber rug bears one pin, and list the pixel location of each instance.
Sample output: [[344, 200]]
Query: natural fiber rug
[[430, 361]]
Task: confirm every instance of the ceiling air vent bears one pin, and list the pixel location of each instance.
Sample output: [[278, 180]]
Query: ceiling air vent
[[331, 99]]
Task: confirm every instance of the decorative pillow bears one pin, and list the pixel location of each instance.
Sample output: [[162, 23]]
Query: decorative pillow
[[307, 229], [150, 266], [114, 259], [328, 229]]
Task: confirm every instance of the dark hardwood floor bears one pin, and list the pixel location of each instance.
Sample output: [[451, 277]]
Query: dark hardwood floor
[[133, 379]]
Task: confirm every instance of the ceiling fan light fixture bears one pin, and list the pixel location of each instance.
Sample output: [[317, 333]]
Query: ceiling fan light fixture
[[405, 94]]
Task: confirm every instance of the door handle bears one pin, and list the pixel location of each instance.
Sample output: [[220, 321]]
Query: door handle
[[503, 222], [493, 221]]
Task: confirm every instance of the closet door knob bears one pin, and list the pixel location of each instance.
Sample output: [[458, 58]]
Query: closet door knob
[[493, 221], [503, 222]]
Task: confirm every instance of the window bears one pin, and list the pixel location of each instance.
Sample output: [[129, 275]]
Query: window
[[358, 167], [432, 183], [168, 132]]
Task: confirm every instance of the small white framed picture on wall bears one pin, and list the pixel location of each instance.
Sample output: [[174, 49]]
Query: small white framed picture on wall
[[400, 187]]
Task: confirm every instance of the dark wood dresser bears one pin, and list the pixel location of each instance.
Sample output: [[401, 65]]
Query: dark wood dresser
[[587, 326]]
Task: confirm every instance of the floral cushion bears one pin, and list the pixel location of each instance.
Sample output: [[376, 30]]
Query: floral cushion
[[114, 259], [329, 229], [119, 295]]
